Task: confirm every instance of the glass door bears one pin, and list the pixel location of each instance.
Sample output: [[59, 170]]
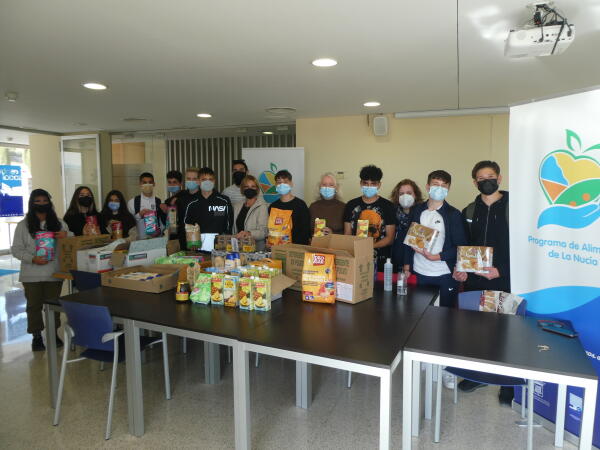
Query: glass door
[[81, 165]]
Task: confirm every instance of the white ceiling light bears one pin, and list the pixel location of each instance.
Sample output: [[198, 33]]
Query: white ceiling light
[[204, 115], [324, 62], [371, 104], [94, 86], [281, 110], [267, 132], [11, 96]]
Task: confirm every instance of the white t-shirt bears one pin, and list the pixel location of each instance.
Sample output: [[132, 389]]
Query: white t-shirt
[[145, 203], [423, 266], [234, 194]]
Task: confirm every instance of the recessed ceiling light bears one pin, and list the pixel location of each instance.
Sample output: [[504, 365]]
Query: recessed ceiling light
[[94, 86], [281, 110], [324, 62], [135, 119], [267, 132], [371, 104], [204, 115]]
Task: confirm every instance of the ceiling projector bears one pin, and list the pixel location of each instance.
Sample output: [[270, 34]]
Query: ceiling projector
[[547, 33]]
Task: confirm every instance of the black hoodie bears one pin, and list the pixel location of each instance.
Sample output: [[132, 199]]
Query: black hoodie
[[489, 227]]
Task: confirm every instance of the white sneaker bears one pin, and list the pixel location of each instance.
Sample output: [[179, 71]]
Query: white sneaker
[[448, 380]]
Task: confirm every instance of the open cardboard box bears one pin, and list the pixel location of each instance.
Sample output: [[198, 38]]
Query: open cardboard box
[[68, 248], [168, 280], [353, 264], [136, 253]]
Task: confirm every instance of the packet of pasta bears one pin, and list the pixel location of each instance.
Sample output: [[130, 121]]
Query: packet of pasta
[[362, 228], [318, 278], [192, 236], [201, 291], [230, 291], [320, 224], [474, 258], [216, 290], [421, 237], [280, 227], [245, 292]]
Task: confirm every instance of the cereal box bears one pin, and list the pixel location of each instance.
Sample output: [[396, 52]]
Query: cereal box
[[216, 289], [245, 293], [230, 291], [421, 237], [201, 291], [318, 278], [320, 224], [474, 259], [262, 294], [362, 228], [280, 227]]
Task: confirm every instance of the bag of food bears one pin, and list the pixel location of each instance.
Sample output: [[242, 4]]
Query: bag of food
[[280, 227], [172, 219], [421, 237], [92, 228], [201, 292], [45, 245], [319, 226], [247, 244], [318, 278], [245, 293], [262, 294], [362, 228], [116, 229], [230, 291], [474, 259], [151, 226], [192, 236], [499, 302], [216, 290]]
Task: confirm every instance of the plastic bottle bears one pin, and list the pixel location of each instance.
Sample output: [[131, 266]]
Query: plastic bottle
[[401, 288], [388, 269]]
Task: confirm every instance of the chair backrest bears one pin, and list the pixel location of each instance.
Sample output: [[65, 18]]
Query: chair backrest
[[90, 323], [470, 300], [85, 280]]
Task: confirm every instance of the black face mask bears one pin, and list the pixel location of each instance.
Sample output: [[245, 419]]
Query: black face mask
[[488, 187], [42, 209], [85, 201], [238, 177], [250, 193]]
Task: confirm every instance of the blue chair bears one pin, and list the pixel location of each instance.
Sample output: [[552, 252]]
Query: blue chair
[[470, 301], [91, 327], [85, 280]]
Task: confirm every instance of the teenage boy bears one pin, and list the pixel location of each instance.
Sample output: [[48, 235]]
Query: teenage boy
[[287, 201], [239, 169], [182, 199], [486, 223], [435, 267], [377, 210], [209, 209], [174, 183], [145, 203]]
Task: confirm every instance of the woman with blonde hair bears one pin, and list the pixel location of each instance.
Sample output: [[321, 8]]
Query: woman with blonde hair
[[252, 214], [405, 195], [328, 205]]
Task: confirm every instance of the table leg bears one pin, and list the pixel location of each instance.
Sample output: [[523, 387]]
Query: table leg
[[385, 413], [428, 389], [241, 397], [587, 420], [407, 382], [561, 402], [51, 353], [303, 385], [212, 363], [529, 414], [416, 398], [438, 404], [133, 367]]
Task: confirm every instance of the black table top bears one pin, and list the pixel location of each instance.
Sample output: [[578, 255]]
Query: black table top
[[500, 339]]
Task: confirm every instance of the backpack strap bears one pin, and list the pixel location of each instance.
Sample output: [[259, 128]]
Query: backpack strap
[[137, 203], [469, 213]]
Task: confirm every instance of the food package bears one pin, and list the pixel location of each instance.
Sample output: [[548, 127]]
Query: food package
[[247, 244], [45, 245], [139, 276], [116, 229], [92, 226], [362, 228], [230, 291], [192, 271], [280, 227], [320, 224], [474, 259], [201, 292], [172, 219], [421, 237], [216, 290], [151, 226], [192, 236], [499, 302], [245, 293], [262, 294], [318, 278]]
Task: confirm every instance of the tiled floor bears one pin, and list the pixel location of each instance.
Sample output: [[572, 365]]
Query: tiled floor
[[201, 416]]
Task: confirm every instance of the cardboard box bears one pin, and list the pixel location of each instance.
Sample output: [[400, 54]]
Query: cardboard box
[[353, 263], [97, 259], [140, 253], [160, 284], [173, 246], [68, 248]]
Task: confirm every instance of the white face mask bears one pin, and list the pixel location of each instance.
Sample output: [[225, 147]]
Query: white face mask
[[406, 200]]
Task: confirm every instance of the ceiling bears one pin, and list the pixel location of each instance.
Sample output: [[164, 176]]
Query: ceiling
[[167, 61]]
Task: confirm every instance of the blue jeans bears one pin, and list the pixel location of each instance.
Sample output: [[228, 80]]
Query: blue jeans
[[448, 287]]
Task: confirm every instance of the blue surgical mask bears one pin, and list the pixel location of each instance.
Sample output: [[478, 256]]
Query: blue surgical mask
[[327, 192], [191, 185], [369, 191], [173, 189], [438, 193], [283, 189], [206, 185], [114, 206]]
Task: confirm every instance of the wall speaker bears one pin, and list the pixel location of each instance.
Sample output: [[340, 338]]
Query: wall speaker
[[380, 126]]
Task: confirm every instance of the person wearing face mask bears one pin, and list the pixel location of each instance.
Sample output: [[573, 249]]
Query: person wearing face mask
[[210, 209], [115, 209], [405, 196], [144, 204], [377, 210], [36, 271], [328, 205], [251, 215], [435, 267], [181, 200], [81, 208], [288, 202], [239, 170]]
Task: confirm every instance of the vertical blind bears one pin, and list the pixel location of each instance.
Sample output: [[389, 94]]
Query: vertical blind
[[218, 152]]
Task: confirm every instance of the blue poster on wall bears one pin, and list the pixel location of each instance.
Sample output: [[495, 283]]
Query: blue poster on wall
[[11, 195]]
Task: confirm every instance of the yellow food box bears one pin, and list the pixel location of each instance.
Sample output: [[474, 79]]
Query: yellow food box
[[318, 278], [216, 289], [230, 291], [245, 293], [362, 228], [262, 294], [320, 224]]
